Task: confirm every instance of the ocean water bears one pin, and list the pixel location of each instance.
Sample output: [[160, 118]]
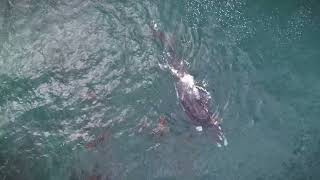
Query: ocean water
[[81, 89]]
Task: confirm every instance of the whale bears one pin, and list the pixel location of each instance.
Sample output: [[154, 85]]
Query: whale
[[194, 99]]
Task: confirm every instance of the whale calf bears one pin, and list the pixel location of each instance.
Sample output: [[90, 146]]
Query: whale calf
[[194, 99]]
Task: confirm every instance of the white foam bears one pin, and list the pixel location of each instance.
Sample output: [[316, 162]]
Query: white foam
[[188, 79], [225, 142], [153, 147], [46, 134], [174, 71]]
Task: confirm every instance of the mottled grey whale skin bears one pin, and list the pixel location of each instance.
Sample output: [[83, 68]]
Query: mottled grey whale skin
[[194, 99], [195, 106]]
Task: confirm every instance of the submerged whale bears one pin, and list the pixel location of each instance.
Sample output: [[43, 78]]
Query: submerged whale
[[194, 99]]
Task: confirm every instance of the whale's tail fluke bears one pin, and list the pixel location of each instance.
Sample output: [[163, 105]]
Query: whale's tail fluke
[[215, 126], [219, 136]]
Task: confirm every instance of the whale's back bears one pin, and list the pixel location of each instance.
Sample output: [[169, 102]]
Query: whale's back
[[194, 101]]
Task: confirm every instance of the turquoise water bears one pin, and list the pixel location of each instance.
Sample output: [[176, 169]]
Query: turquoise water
[[81, 89]]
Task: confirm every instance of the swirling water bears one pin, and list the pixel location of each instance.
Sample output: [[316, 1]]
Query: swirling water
[[71, 71]]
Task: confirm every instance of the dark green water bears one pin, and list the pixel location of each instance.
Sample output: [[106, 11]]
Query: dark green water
[[72, 70]]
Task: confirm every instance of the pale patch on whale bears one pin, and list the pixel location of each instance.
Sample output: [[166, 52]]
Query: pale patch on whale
[[199, 128], [188, 81]]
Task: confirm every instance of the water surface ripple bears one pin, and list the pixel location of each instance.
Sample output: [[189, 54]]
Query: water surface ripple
[[81, 89]]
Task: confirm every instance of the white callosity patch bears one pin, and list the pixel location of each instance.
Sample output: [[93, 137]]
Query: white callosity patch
[[199, 128]]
